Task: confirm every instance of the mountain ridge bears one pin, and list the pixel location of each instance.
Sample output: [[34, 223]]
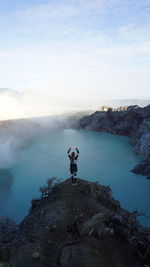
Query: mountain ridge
[[131, 121]]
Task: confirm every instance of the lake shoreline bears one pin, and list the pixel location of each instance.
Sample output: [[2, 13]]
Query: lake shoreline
[[131, 121]]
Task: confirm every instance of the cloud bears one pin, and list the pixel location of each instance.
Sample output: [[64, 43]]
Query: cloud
[[74, 49], [27, 104], [73, 19]]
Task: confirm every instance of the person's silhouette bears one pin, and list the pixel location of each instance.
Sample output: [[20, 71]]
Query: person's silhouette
[[73, 164]]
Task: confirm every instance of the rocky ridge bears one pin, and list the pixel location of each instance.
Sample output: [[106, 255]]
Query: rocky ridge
[[80, 225], [131, 121]]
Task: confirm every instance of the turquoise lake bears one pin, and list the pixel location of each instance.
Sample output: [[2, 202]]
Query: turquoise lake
[[103, 157]]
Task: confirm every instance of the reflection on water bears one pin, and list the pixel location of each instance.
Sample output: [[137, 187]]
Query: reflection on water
[[6, 182]]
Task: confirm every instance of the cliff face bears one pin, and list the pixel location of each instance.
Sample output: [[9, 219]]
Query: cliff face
[[80, 225], [131, 121]]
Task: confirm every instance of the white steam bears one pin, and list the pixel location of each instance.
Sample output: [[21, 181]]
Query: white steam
[[17, 134], [24, 115], [35, 104], [27, 104]]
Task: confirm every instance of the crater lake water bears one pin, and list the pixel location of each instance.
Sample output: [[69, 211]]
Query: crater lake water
[[105, 158]]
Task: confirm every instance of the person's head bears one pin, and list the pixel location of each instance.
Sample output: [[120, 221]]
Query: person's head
[[73, 155]]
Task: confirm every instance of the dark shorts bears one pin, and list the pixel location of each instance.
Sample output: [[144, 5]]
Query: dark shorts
[[73, 168]]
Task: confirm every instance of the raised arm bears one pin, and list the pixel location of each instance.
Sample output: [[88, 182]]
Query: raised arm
[[77, 150], [69, 150]]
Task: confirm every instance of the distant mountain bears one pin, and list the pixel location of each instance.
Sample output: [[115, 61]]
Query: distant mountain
[[8, 91], [116, 103], [26, 104], [129, 102], [33, 103]]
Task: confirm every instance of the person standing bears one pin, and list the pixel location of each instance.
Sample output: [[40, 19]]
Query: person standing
[[73, 164]]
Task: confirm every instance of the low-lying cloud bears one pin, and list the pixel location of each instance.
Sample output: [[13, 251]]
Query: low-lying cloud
[[15, 135], [27, 104], [36, 104]]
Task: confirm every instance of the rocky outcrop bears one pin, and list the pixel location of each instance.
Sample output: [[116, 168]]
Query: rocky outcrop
[[132, 121], [7, 229], [143, 168], [80, 225]]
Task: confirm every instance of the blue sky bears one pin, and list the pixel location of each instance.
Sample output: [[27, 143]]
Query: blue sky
[[76, 49]]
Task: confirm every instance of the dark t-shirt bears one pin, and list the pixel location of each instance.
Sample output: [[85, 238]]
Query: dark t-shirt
[[73, 161]]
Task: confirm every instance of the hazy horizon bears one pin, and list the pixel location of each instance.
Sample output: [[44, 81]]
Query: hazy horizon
[[32, 103]]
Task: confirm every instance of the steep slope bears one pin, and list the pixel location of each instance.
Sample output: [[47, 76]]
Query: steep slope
[[132, 121], [80, 225]]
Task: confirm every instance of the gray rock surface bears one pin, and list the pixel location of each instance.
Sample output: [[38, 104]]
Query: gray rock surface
[[131, 121], [80, 225], [7, 229]]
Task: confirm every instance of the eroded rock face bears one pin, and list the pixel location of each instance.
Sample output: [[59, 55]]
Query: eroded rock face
[[7, 229], [80, 255], [131, 121], [143, 167], [80, 225]]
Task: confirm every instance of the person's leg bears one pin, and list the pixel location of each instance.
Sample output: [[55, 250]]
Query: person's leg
[[75, 173], [75, 179], [72, 179], [72, 173]]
